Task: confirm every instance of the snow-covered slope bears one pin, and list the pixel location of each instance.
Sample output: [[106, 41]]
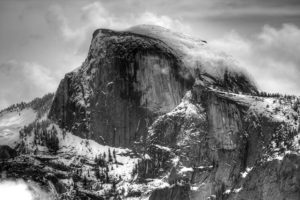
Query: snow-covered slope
[[75, 163], [12, 122], [17, 116]]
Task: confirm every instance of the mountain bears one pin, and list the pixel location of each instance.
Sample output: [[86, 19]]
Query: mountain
[[154, 114], [129, 78]]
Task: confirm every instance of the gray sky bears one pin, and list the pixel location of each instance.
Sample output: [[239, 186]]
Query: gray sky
[[41, 40]]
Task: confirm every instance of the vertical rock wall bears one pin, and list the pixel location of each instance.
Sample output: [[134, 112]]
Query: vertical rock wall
[[114, 97], [129, 95], [226, 140]]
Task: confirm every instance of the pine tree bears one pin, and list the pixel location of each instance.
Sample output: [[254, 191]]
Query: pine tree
[[106, 174], [107, 177], [114, 154], [75, 187], [35, 137], [96, 160], [101, 161], [114, 187], [97, 173], [52, 141], [110, 159], [102, 177], [64, 133], [84, 182]]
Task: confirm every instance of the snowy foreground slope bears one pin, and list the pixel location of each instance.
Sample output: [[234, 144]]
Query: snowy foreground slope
[[75, 158], [72, 171], [153, 114]]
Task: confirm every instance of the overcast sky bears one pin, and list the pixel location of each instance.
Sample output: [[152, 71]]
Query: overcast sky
[[41, 40]]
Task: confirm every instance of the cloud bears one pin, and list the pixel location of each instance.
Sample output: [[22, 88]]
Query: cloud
[[271, 56], [19, 189], [57, 20], [95, 15], [163, 20], [23, 81], [10, 190]]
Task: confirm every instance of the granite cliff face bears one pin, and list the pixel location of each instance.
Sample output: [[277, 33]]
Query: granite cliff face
[[127, 80]]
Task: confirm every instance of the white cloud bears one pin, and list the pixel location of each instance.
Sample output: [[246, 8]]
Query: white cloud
[[19, 189], [23, 81], [163, 20], [10, 190], [95, 15], [271, 56], [56, 18]]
